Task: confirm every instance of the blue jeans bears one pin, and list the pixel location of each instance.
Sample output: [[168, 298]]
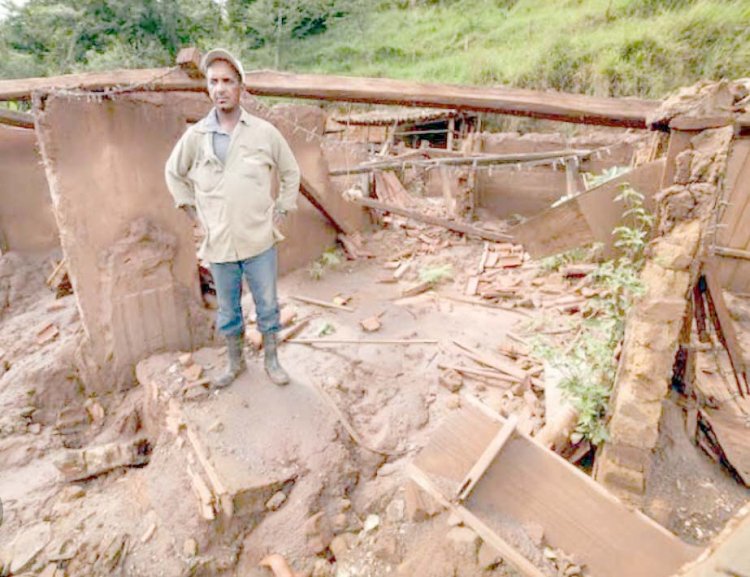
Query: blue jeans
[[260, 272]]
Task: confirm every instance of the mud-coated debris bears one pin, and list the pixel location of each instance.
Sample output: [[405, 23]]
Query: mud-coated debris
[[276, 501], [488, 557], [185, 359], [451, 380], [339, 522], [370, 324], [190, 547], [148, 533], [322, 568], [27, 412], [193, 372], [463, 535], [27, 545], [216, 427], [317, 529], [35, 428], [85, 463], [453, 402], [419, 505], [95, 411], [341, 545], [372, 522], [386, 548], [396, 511], [50, 570], [278, 565], [72, 492], [453, 520]]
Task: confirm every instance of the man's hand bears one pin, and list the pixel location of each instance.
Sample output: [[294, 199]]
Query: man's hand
[[279, 216]]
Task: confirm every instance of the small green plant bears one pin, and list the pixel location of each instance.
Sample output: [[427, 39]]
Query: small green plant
[[436, 274], [588, 363], [573, 256], [330, 258], [592, 180]]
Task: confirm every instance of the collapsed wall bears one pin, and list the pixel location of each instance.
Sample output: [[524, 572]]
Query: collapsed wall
[[661, 319], [27, 223], [130, 253]]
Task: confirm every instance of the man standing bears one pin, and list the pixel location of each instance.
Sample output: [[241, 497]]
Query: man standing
[[220, 173]]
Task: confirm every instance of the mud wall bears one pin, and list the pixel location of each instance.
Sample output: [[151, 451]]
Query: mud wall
[[528, 191], [27, 223], [130, 254]]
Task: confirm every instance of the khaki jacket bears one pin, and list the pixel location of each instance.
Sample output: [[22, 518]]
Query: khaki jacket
[[234, 200]]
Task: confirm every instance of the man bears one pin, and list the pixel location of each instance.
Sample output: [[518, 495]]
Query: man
[[220, 173]]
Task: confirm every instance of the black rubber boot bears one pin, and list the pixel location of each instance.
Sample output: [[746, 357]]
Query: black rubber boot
[[277, 374], [235, 352]]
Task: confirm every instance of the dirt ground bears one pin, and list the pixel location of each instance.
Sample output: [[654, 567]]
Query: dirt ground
[[311, 492]]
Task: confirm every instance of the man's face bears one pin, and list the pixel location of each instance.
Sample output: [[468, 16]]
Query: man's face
[[223, 85]]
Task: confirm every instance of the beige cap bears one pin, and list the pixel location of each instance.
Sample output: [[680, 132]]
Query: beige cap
[[221, 54]]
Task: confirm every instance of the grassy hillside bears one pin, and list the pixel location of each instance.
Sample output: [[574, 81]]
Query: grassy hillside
[[605, 47]]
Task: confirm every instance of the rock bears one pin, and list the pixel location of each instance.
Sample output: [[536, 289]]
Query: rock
[[185, 359], [340, 522], [454, 520], [371, 523], [535, 533], [341, 545], [35, 428], [453, 402], [27, 412], [370, 325], [72, 492], [216, 427], [288, 316], [85, 463], [463, 536], [488, 557], [450, 380], [276, 501], [95, 411], [148, 533], [386, 548], [317, 529], [322, 568], [27, 545], [396, 511], [190, 547], [192, 373]]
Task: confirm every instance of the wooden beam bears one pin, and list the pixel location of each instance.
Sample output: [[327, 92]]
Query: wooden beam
[[16, 118], [564, 107], [576, 108], [483, 159], [414, 215], [728, 252]]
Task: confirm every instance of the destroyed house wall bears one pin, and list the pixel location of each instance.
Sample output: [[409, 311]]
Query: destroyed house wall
[[130, 253], [27, 223]]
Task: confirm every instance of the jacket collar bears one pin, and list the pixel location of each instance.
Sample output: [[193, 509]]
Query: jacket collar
[[210, 122]]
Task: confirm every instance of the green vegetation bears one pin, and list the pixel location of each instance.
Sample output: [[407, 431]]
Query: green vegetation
[[330, 258], [434, 275], [589, 362], [607, 47]]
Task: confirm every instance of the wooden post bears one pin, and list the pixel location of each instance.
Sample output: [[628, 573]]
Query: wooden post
[[451, 128], [571, 176]]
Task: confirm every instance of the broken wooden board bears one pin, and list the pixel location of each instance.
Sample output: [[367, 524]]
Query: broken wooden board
[[527, 484], [589, 217], [730, 431]]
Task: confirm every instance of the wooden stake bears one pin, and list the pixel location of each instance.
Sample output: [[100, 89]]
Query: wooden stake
[[324, 304]]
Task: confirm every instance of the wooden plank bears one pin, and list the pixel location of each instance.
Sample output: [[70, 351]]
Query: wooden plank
[[450, 225], [731, 431], [724, 325], [589, 217], [484, 461], [507, 367], [736, 219], [528, 484], [564, 107], [320, 303], [506, 551], [16, 118]]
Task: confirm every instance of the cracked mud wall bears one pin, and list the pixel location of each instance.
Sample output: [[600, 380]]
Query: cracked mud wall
[[130, 253], [27, 223]]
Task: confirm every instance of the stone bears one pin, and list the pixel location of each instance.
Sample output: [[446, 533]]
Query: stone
[[341, 545], [192, 373], [185, 359], [276, 501], [617, 478], [386, 549], [396, 511], [488, 557], [454, 520], [635, 422], [451, 380], [35, 428], [453, 402], [322, 568], [27, 545], [372, 522], [317, 530], [463, 535], [190, 547], [339, 522], [371, 324]]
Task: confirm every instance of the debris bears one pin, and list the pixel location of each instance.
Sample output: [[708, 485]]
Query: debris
[[82, 464], [185, 359], [323, 304], [47, 333], [416, 289], [193, 372], [402, 269], [364, 341], [278, 565], [371, 523], [278, 499], [318, 532], [27, 545], [371, 324], [190, 548], [471, 286], [395, 511], [499, 364], [148, 533], [293, 331], [451, 380]]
